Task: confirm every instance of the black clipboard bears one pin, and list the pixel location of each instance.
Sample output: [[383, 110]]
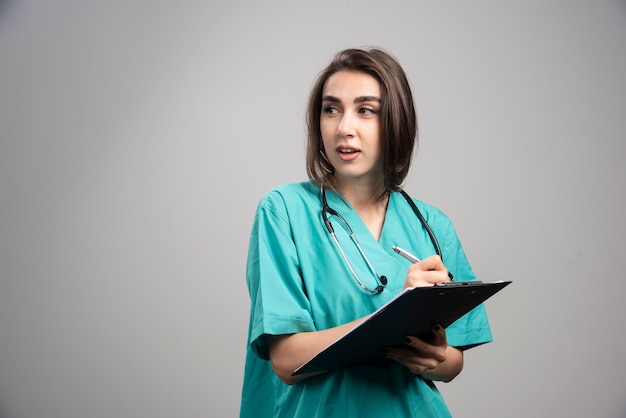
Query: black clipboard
[[413, 312]]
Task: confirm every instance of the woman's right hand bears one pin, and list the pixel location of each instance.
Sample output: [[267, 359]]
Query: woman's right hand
[[427, 272]]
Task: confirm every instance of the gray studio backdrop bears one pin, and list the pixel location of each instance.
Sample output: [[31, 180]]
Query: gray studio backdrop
[[137, 137]]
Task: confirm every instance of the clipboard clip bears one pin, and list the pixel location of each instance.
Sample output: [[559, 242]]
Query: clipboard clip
[[456, 284]]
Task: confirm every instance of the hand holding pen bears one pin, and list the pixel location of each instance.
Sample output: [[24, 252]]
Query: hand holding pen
[[434, 262]]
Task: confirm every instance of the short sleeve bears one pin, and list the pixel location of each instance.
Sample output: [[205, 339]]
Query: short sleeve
[[279, 304]]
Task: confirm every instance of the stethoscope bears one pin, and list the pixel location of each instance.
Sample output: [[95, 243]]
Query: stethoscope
[[381, 280]]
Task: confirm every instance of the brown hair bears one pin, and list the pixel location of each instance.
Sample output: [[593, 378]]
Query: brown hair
[[398, 119]]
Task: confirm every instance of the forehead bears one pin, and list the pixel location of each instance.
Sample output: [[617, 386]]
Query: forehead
[[351, 84]]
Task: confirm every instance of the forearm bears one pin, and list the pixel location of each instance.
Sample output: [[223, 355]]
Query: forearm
[[288, 352]]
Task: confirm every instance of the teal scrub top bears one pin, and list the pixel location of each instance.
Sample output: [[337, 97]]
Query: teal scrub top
[[298, 281]]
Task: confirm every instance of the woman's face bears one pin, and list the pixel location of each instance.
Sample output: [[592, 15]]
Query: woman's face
[[350, 126]]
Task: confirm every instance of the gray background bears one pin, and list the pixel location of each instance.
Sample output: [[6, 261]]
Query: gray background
[[137, 138]]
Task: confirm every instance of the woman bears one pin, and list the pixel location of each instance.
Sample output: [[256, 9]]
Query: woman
[[307, 289]]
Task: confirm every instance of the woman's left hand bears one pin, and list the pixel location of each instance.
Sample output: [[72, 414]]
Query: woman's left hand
[[434, 359]]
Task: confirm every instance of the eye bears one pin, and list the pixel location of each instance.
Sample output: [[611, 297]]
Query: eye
[[367, 111], [331, 110]]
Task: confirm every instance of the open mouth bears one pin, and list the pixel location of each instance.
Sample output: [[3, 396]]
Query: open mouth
[[346, 150], [347, 153]]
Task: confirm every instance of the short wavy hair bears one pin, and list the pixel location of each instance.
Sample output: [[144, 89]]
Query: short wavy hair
[[398, 118]]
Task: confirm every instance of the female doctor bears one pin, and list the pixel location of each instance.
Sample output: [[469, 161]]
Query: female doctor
[[310, 282]]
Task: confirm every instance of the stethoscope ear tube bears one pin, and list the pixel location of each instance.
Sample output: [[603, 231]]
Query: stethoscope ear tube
[[430, 232], [419, 215]]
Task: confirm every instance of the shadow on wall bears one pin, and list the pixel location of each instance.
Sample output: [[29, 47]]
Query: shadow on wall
[[3, 411], [5, 7]]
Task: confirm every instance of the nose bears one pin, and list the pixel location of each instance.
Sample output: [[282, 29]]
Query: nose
[[347, 125]]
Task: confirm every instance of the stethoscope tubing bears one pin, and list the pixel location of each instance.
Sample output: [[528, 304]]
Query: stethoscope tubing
[[381, 280]]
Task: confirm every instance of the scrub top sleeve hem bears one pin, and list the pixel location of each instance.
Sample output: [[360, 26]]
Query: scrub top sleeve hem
[[469, 338], [276, 326]]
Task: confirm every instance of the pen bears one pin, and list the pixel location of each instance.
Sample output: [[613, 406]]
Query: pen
[[406, 254], [412, 258]]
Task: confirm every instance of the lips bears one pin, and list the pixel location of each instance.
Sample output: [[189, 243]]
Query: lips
[[347, 153]]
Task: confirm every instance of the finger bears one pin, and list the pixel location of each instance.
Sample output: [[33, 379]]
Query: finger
[[430, 350], [440, 338], [416, 343], [418, 277], [410, 358], [433, 262]]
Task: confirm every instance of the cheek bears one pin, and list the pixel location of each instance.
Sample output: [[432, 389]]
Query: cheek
[[328, 131], [327, 128], [327, 146]]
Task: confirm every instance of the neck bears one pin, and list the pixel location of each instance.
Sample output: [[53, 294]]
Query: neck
[[362, 194], [366, 201]]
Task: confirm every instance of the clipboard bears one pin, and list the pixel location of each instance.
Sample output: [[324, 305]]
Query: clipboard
[[413, 312]]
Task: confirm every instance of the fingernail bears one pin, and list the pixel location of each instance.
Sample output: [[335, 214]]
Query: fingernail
[[407, 340], [436, 327]]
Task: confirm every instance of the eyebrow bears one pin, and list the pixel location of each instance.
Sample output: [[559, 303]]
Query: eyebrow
[[360, 99]]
